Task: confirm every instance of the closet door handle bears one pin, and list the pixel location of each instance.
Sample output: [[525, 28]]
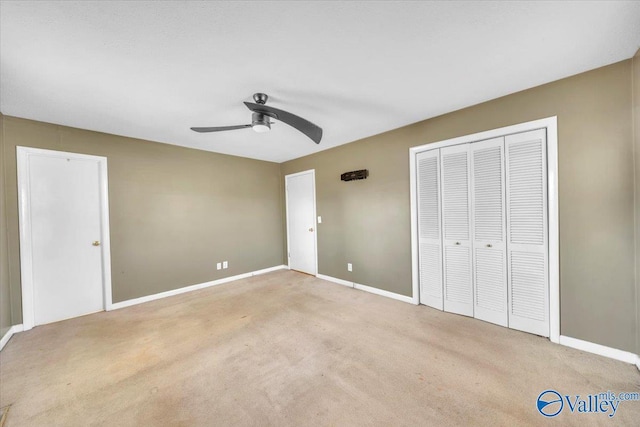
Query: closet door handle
[[457, 243], [489, 245]]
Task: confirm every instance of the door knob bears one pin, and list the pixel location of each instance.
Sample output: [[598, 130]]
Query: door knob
[[311, 229], [96, 243], [457, 243], [489, 245]]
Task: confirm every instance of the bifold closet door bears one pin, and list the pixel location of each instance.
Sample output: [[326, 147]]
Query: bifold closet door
[[456, 226], [527, 231], [489, 231], [429, 229]]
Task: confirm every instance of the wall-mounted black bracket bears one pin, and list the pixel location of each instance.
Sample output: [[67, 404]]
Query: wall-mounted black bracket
[[350, 176]]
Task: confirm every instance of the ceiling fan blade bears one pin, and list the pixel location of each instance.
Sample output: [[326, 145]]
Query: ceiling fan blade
[[220, 128], [305, 126]]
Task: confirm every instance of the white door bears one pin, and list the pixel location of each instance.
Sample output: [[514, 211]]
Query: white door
[[527, 231], [489, 231], [61, 221], [301, 222], [456, 226], [429, 228]]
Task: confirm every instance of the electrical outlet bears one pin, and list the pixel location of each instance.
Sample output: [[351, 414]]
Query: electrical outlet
[[349, 267], [225, 264], [218, 266]]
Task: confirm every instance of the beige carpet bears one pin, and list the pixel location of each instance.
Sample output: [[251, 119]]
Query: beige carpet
[[289, 349]]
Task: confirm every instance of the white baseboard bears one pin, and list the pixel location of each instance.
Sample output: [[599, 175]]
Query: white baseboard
[[366, 288], [12, 330], [613, 353], [335, 280], [269, 270], [383, 293], [179, 291]]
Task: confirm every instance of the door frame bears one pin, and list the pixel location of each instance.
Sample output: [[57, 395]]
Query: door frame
[[551, 126], [24, 216], [312, 172]]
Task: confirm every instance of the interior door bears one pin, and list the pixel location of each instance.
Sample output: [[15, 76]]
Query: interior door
[[301, 223], [456, 225], [64, 211], [489, 231], [429, 228], [527, 231]]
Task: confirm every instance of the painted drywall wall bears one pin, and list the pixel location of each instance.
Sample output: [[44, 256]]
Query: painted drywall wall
[[367, 222], [174, 212], [5, 295], [636, 141]]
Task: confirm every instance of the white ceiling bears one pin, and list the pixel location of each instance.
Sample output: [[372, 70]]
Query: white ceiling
[[151, 70]]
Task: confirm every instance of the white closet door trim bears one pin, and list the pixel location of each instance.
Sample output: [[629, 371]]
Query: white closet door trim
[[554, 230], [551, 124], [415, 253]]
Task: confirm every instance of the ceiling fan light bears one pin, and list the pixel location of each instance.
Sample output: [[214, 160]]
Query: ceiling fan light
[[261, 127]]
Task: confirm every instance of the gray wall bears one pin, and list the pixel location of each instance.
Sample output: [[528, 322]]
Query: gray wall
[[367, 222], [5, 296], [173, 211]]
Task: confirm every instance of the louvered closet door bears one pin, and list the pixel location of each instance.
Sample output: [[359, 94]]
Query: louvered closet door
[[430, 249], [527, 232], [456, 226], [489, 231]]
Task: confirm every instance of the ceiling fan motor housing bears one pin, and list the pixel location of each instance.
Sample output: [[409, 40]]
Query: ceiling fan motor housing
[[260, 122]]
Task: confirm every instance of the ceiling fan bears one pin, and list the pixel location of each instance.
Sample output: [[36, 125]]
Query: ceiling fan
[[261, 116]]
